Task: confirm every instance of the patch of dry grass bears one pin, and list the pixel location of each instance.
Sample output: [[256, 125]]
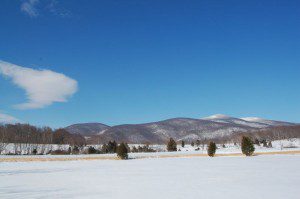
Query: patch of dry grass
[[42, 159]]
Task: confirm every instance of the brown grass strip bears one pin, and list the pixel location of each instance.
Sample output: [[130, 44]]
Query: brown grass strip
[[43, 159]]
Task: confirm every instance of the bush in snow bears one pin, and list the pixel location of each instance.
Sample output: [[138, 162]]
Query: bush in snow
[[59, 152], [247, 146], [172, 146], [211, 150], [122, 151], [92, 150], [192, 144]]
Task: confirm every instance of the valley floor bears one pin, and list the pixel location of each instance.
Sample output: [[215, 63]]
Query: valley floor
[[258, 177]]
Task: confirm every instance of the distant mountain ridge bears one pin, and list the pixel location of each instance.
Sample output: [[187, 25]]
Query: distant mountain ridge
[[87, 129], [216, 126]]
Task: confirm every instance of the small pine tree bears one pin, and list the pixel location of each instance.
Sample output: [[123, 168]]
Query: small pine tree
[[211, 150], [34, 151], [264, 142], [256, 141], [197, 143], [247, 146], [122, 151], [92, 150], [69, 150], [172, 146], [75, 150], [182, 144], [270, 144], [192, 144]]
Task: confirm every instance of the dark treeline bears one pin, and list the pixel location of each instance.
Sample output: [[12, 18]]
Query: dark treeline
[[25, 136], [268, 134]]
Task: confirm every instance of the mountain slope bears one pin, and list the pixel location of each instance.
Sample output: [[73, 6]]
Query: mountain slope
[[267, 122], [87, 129], [233, 120], [216, 126]]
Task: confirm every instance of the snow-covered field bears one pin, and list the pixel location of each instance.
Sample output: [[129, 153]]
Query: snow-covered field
[[272, 176]]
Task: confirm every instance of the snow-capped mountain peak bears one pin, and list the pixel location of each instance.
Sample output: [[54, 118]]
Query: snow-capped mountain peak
[[232, 120], [217, 116], [253, 119], [266, 121]]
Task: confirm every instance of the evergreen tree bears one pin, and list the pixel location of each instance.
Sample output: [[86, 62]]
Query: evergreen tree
[[211, 150], [115, 145], [122, 151], [112, 147], [104, 148], [134, 149], [247, 146], [182, 144], [192, 144], [34, 151], [75, 150], [270, 144], [197, 143], [92, 150], [264, 142], [172, 146], [69, 150]]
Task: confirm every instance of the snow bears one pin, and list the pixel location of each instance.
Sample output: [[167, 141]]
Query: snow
[[278, 145], [265, 121], [217, 116], [260, 177], [227, 119]]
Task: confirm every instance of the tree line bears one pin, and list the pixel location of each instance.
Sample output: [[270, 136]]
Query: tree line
[[25, 137], [247, 146]]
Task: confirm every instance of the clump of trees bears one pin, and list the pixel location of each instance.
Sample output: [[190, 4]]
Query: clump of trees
[[28, 139], [172, 146], [92, 150], [142, 149], [122, 151], [60, 152], [211, 150], [110, 147], [247, 146]]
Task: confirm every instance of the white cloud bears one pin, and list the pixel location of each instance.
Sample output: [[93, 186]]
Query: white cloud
[[34, 7], [29, 7], [42, 87], [4, 118]]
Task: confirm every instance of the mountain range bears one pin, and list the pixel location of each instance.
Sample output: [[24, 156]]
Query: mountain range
[[215, 126]]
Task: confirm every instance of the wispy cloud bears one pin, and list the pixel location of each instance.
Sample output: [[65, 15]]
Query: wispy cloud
[[34, 7], [55, 9], [42, 87], [4, 118], [29, 7]]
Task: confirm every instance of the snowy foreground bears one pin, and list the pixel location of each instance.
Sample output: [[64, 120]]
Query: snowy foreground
[[271, 176]]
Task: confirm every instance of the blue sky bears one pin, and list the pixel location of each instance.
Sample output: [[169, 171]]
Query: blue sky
[[142, 61]]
